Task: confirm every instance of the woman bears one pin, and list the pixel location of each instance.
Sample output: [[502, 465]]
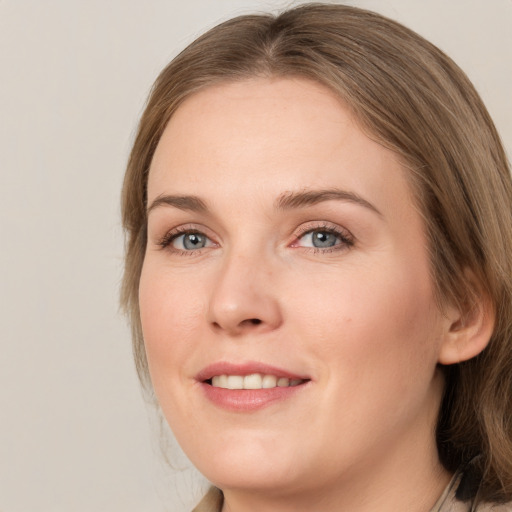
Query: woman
[[318, 272]]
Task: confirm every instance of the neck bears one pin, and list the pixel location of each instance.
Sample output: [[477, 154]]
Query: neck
[[416, 492]]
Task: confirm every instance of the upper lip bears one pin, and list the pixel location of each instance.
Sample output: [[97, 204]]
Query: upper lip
[[242, 369]]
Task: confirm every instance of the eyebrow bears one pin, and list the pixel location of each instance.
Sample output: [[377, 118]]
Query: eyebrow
[[286, 201], [292, 200], [189, 203]]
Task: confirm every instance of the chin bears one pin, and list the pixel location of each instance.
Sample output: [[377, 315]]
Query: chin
[[251, 463]]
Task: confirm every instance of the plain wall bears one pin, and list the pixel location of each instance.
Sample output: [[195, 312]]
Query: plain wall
[[74, 432]]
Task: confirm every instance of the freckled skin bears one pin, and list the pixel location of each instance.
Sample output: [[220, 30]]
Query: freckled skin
[[359, 319]]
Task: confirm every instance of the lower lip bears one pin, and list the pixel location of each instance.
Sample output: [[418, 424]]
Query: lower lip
[[246, 400]]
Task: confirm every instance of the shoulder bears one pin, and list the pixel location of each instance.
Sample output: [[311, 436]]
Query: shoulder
[[494, 507], [211, 502], [462, 494]]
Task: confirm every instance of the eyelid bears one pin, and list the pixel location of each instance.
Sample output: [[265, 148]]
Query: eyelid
[[345, 236], [165, 241]]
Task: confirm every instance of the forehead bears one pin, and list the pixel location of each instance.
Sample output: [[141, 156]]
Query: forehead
[[257, 115], [270, 135]]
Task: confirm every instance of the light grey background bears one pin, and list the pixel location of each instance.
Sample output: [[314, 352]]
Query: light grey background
[[74, 432]]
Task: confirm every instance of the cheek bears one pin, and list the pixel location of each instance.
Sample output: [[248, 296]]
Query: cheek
[[375, 343], [169, 316], [376, 322]]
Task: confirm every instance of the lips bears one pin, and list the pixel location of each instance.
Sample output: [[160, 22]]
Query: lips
[[249, 386]]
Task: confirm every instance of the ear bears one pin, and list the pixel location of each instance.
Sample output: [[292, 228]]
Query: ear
[[467, 333]]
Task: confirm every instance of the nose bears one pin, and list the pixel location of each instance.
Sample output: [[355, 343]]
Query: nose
[[244, 297]]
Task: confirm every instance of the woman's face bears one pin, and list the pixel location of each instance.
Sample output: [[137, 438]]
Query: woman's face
[[285, 254]]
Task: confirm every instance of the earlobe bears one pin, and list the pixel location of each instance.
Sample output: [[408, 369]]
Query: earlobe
[[467, 333]]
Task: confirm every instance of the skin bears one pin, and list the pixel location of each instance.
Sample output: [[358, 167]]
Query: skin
[[358, 318]]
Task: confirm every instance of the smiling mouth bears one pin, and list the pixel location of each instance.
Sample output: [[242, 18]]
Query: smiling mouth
[[253, 381]]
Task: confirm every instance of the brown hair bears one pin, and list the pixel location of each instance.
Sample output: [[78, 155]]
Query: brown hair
[[413, 99]]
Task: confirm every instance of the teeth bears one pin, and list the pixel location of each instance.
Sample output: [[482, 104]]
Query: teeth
[[253, 381], [269, 381], [235, 382]]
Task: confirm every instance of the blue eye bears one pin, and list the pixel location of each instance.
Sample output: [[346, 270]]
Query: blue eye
[[323, 239], [190, 241]]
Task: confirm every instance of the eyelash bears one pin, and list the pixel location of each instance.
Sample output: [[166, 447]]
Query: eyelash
[[345, 237], [166, 241]]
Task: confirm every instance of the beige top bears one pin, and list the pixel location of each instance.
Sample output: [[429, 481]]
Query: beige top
[[452, 499], [449, 501]]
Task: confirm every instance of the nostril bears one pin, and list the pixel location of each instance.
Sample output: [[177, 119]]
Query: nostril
[[244, 324]]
